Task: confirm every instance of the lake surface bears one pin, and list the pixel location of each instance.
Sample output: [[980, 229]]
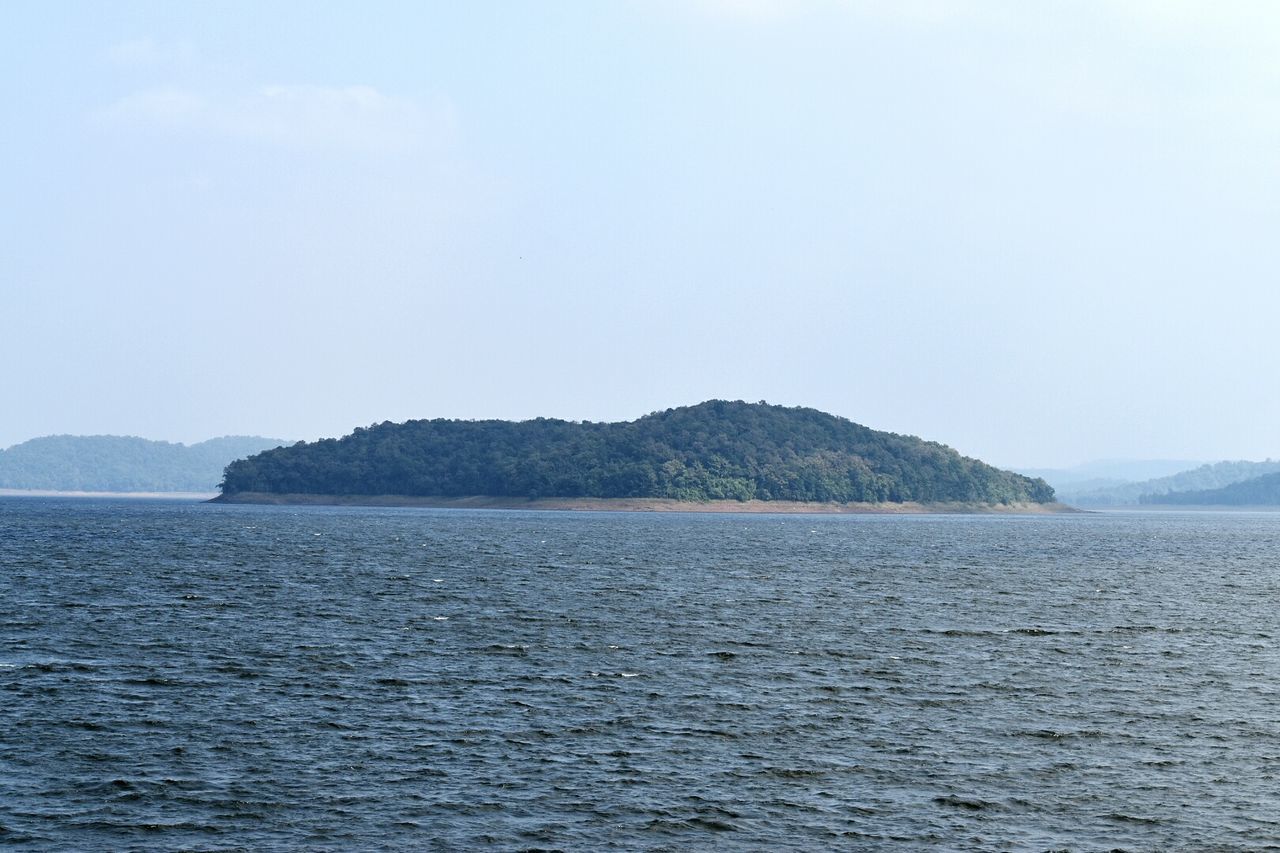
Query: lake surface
[[189, 676]]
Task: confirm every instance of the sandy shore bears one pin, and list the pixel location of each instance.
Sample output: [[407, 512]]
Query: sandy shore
[[643, 504]]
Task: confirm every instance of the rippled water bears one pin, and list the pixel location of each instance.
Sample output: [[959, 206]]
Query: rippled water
[[187, 676]]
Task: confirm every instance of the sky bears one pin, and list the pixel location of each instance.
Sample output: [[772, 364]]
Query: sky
[[1041, 233]]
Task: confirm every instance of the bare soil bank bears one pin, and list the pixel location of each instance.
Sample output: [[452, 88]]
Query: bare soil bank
[[643, 504]]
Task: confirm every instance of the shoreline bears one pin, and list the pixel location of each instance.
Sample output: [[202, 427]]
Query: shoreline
[[647, 505], [150, 496]]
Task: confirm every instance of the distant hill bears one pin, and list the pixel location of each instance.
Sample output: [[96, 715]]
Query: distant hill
[[112, 463], [1258, 491], [1205, 477], [713, 451], [1108, 472]]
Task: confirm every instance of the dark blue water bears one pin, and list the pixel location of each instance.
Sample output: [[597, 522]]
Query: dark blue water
[[186, 676]]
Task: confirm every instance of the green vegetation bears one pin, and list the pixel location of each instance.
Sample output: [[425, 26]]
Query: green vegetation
[[113, 463], [1259, 491], [1204, 478], [713, 451]]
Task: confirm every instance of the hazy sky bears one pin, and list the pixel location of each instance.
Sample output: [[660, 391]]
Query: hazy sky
[[1038, 232]]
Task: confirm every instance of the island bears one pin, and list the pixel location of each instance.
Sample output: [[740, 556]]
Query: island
[[717, 455]]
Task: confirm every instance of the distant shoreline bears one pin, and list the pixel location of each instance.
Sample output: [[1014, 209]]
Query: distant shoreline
[[646, 505], [56, 493]]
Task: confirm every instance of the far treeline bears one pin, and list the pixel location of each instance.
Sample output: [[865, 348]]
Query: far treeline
[[713, 451], [1259, 491], [118, 463], [1206, 478]]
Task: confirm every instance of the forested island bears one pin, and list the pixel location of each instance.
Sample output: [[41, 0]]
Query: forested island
[[119, 463], [714, 451]]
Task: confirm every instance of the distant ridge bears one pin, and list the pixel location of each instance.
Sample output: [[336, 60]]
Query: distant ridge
[[1203, 478], [713, 451], [114, 463], [1108, 472], [1258, 491]]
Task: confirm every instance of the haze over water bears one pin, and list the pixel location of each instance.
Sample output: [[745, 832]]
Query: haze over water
[[177, 675]]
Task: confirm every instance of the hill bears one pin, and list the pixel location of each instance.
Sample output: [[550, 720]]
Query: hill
[[1104, 473], [1205, 477], [113, 463], [1258, 491], [713, 451]]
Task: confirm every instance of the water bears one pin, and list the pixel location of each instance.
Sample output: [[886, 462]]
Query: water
[[186, 676]]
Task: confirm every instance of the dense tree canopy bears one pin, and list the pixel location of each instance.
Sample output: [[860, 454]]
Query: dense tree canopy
[[715, 450]]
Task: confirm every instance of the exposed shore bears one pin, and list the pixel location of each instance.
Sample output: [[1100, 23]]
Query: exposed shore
[[645, 504]]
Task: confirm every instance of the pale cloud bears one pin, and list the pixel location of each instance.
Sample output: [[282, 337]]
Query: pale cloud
[[1253, 17], [355, 118], [912, 11], [147, 53], [1188, 67], [1191, 68], [1239, 21], [750, 10]]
